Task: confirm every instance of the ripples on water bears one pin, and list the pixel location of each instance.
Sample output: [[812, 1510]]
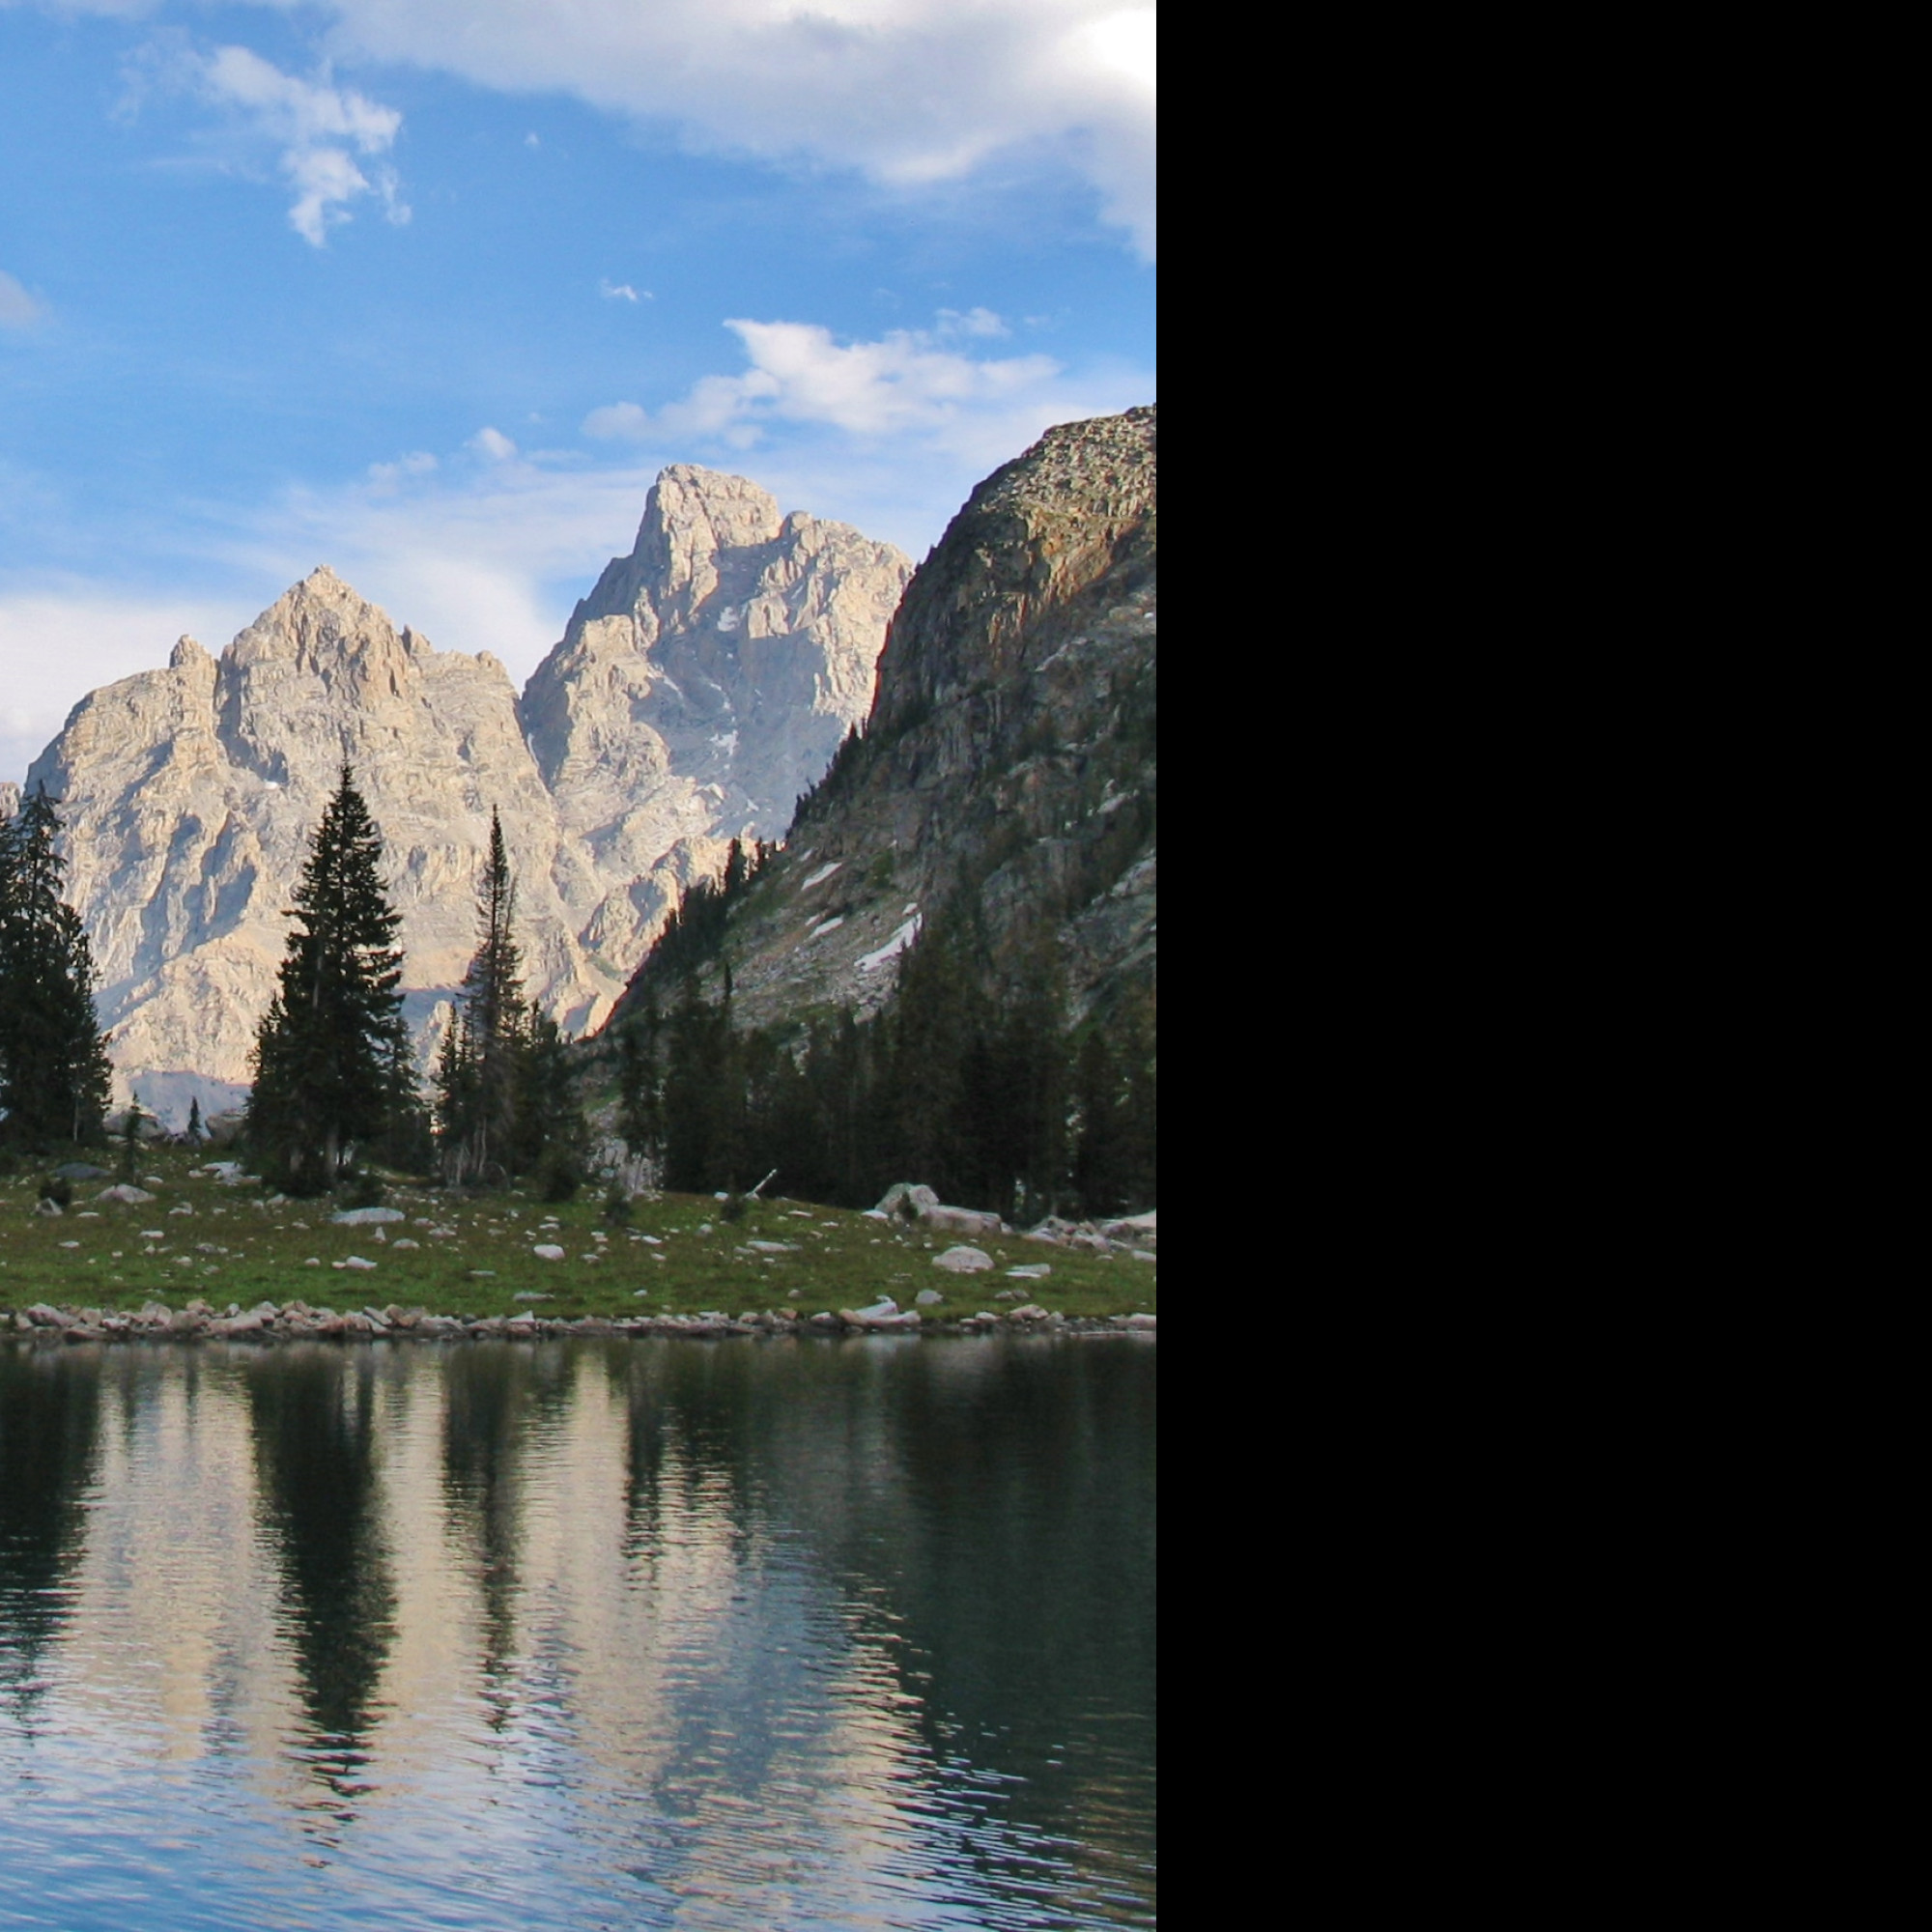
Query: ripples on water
[[785, 1636]]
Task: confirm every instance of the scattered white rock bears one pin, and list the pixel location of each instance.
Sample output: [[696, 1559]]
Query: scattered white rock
[[549, 1252], [963, 1261], [367, 1217], [128, 1196], [929, 1297], [921, 1197], [1033, 1271]]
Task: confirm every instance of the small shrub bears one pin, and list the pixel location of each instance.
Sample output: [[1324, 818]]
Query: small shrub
[[734, 1208], [58, 1189], [617, 1207], [560, 1182]]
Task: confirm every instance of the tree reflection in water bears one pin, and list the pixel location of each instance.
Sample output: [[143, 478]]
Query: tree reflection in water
[[49, 1415], [313, 1411]]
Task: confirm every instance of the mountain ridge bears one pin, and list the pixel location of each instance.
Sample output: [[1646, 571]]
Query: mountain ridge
[[189, 792], [1005, 777]]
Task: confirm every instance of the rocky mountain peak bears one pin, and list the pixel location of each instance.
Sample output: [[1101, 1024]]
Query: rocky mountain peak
[[703, 685], [1030, 539], [1006, 773]]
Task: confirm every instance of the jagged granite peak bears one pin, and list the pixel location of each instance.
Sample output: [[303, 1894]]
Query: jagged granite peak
[[700, 688], [665, 719], [191, 794], [1008, 762]]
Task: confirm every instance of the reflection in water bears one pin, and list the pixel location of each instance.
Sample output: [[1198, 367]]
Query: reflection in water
[[313, 1411], [678, 1636], [49, 1405]]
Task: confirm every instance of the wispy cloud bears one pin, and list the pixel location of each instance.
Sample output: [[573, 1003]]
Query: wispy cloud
[[910, 385], [623, 292], [907, 91], [320, 129], [493, 444], [17, 308]]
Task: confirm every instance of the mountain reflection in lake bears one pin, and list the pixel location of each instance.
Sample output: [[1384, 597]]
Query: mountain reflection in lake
[[636, 1635]]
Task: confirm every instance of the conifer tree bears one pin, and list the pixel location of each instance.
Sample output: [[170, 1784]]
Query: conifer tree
[[641, 1083], [332, 1050], [550, 1124], [481, 1079], [55, 1074]]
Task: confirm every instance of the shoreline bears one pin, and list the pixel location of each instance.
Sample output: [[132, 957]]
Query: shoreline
[[45, 1326]]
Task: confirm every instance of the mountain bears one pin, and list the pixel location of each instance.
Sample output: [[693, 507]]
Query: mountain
[[1005, 775], [718, 664], [701, 688]]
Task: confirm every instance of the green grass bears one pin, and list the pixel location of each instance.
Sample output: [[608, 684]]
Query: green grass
[[234, 1247]]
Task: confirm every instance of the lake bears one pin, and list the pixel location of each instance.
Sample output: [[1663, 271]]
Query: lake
[[652, 1633]]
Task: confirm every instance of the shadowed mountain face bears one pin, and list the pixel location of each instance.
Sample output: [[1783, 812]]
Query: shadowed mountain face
[[1007, 767], [703, 685]]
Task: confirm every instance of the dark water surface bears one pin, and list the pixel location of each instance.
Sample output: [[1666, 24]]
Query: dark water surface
[[649, 1633]]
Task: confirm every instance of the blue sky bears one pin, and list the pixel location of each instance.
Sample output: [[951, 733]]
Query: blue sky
[[429, 290]]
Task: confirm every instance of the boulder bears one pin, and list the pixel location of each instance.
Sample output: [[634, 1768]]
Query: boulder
[[962, 1221], [367, 1217], [549, 1252], [963, 1261], [895, 1205], [929, 1297], [870, 1318], [127, 1196]]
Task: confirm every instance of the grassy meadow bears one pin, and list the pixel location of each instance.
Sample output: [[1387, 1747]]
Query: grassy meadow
[[474, 1256]]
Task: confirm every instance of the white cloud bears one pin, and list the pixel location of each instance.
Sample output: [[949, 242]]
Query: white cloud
[[623, 292], [60, 641], [320, 129], [17, 308], [907, 91], [388, 478], [493, 444], [974, 322], [907, 386]]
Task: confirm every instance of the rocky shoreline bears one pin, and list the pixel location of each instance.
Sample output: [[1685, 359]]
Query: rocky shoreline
[[297, 1322]]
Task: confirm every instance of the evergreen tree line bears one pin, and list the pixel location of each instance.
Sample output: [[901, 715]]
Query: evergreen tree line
[[693, 935], [54, 1075], [991, 1100], [335, 1082]]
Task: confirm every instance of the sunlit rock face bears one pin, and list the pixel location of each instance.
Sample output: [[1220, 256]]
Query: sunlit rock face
[[706, 681], [700, 688], [1008, 765]]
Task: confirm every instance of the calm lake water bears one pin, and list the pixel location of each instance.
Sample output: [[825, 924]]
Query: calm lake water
[[651, 1633]]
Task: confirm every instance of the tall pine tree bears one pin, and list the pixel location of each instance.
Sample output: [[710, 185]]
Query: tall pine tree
[[54, 1073], [480, 1078], [331, 1061]]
